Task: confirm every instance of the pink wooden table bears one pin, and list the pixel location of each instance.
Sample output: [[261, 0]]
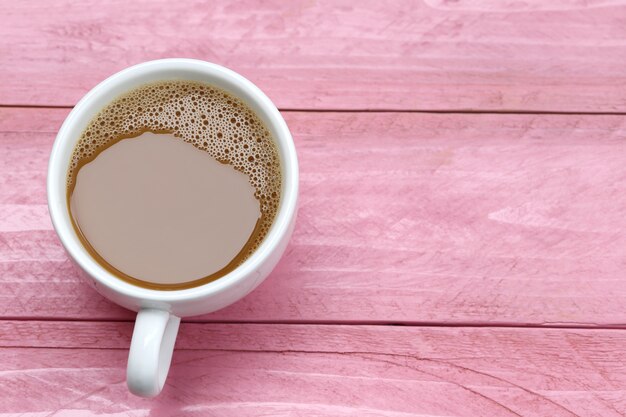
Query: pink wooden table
[[461, 243]]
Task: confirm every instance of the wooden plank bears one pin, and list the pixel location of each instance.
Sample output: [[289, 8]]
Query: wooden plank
[[471, 54], [486, 219], [319, 370]]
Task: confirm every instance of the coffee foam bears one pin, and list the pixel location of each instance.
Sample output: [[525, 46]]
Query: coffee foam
[[207, 117]]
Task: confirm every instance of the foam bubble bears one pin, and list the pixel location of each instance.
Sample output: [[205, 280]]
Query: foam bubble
[[205, 116]]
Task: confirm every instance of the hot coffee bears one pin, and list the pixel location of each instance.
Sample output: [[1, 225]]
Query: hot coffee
[[174, 184]]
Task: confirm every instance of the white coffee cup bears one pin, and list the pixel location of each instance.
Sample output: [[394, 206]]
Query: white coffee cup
[[159, 312]]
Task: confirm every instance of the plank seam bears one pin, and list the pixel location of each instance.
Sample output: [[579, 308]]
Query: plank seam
[[416, 324], [366, 110]]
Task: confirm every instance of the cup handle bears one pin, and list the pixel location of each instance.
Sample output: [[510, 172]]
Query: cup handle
[[151, 351]]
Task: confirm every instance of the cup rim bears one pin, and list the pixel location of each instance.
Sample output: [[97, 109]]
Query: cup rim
[[64, 143]]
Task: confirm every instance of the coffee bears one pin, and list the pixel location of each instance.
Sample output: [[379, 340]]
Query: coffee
[[174, 184]]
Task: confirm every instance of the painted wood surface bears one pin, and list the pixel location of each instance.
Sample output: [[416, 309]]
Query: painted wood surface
[[305, 370], [536, 55], [473, 230], [411, 218]]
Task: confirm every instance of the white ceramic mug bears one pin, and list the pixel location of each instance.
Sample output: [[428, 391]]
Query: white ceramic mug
[[159, 312]]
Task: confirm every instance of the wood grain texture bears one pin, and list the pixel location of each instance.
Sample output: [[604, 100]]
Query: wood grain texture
[[304, 370], [486, 219], [463, 220], [435, 54]]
